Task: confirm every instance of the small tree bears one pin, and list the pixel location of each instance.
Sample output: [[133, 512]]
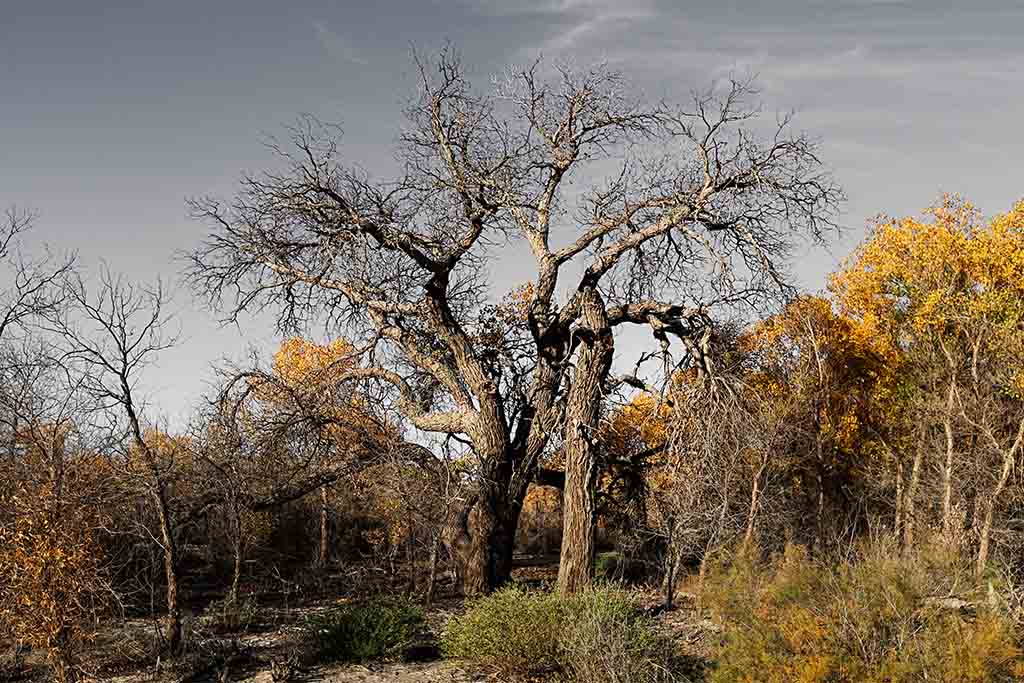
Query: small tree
[[109, 334]]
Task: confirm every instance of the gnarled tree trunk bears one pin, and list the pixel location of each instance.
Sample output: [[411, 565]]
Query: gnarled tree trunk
[[583, 409], [482, 538]]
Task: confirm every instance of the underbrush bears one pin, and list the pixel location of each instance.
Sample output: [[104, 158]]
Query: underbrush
[[598, 636], [356, 633], [880, 617], [231, 616]]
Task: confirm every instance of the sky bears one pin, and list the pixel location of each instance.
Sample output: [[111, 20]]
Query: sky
[[112, 114]]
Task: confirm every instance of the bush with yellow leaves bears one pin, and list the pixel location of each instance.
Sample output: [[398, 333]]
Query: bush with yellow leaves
[[879, 618], [51, 575]]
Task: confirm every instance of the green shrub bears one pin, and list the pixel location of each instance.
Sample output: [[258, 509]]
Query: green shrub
[[606, 639], [356, 633], [513, 631], [598, 636], [880, 618], [607, 565]]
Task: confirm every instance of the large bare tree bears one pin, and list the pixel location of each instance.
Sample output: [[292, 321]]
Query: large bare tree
[[634, 214]]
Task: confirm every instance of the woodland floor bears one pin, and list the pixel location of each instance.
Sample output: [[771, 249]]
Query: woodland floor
[[120, 652]]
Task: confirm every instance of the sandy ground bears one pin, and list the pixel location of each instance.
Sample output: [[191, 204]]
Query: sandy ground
[[431, 672]]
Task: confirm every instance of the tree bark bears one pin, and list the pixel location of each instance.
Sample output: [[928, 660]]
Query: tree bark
[[435, 547], [819, 503], [1009, 458], [755, 496], [583, 406], [238, 541], [897, 524], [482, 540], [672, 561], [909, 506], [172, 629]]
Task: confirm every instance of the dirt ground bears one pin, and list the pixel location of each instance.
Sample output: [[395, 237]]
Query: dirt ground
[[122, 649], [429, 672]]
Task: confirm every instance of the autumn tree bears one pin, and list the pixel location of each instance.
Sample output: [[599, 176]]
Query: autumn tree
[[947, 293], [51, 570], [819, 370], [58, 490], [292, 430], [677, 210]]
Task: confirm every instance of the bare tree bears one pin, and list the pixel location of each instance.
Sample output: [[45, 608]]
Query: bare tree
[[34, 288], [687, 210], [111, 333]]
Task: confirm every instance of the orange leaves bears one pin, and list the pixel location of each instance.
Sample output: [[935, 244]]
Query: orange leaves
[[51, 564], [640, 424], [299, 360], [952, 284], [809, 355], [315, 372]]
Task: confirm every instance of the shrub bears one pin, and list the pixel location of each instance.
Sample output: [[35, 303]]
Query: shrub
[[598, 636], [606, 639], [881, 617], [356, 633], [513, 631], [54, 584]]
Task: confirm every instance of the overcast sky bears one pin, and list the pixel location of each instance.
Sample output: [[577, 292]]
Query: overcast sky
[[112, 113]]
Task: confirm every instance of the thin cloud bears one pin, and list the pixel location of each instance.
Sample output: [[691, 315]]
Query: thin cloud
[[557, 7]]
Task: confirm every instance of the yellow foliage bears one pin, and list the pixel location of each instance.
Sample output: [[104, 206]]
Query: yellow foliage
[[794, 620], [51, 580]]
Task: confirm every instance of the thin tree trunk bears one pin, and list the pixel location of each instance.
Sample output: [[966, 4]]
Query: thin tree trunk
[[322, 555], [819, 506], [576, 564], [236, 573], [1009, 458], [672, 561], [755, 495], [172, 629], [897, 525], [909, 506], [947, 471], [990, 506], [435, 547], [410, 556]]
